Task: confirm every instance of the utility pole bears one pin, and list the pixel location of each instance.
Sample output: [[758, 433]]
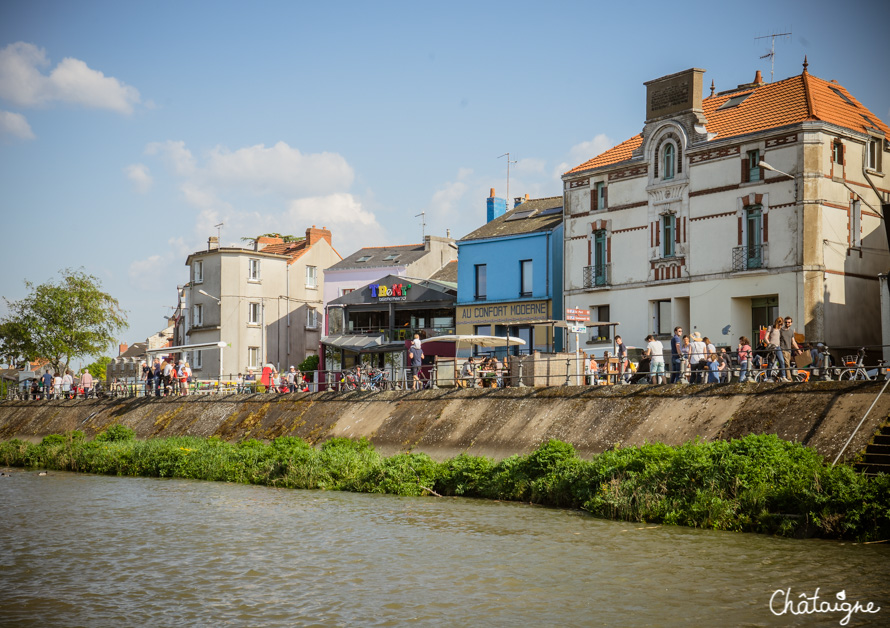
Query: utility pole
[[772, 51], [507, 155], [422, 225]]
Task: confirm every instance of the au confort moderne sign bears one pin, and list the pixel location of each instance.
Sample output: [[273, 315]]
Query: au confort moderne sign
[[395, 292]]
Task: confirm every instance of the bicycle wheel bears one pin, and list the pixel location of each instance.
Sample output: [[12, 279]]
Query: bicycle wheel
[[847, 375]]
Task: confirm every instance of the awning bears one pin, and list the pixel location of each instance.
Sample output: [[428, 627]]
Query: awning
[[478, 340], [362, 343]]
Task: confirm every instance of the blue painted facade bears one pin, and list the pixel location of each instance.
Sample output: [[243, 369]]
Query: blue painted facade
[[505, 309]]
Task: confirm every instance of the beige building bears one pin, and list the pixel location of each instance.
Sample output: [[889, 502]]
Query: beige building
[[264, 302], [728, 211]]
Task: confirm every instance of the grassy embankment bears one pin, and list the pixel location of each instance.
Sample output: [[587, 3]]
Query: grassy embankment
[[754, 484]]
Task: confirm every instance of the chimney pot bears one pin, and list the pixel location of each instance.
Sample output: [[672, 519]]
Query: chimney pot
[[492, 193], [758, 79]]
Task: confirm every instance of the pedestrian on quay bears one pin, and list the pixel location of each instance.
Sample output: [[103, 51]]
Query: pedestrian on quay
[[698, 358], [774, 342], [157, 376], [744, 353], [86, 383], [621, 354], [185, 375], [415, 356], [788, 344], [147, 377], [655, 352]]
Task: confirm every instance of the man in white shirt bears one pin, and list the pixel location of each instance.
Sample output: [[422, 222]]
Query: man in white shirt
[[655, 351]]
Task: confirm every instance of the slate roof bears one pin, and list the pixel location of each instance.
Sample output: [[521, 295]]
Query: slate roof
[[407, 254], [504, 226], [797, 99], [446, 274]]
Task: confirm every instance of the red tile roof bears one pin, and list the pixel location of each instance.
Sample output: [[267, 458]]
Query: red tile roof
[[796, 99]]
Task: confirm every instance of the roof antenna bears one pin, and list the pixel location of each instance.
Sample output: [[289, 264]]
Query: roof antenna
[[218, 232], [771, 55], [422, 225], [507, 155]]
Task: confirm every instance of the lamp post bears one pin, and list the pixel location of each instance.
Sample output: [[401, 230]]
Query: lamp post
[[767, 166]]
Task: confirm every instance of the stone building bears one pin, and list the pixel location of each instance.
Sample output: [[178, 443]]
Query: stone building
[[728, 211], [265, 303]]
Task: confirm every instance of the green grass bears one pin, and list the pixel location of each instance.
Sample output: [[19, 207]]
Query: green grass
[[754, 484]]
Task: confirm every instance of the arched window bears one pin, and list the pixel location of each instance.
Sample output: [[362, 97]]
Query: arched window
[[668, 161]]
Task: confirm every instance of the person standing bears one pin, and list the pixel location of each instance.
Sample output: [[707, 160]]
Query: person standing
[[744, 353], [774, 339], [621, 354], [157, 374], [291, 378], [86, 382], [676, 354], [415, 357], [147, 377], [185, 374], [698, 358], [57, 385], [168, 376], [788, 344], [67, 380], [655, 351]]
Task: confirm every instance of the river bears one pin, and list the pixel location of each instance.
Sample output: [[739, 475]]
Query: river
[[85, 550]]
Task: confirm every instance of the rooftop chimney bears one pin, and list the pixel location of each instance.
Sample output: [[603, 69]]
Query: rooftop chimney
[[495, 207], [212, 243], [314, 235], [758, 80], [122, 349]]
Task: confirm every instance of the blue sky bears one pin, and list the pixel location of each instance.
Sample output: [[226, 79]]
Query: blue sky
[[127, 130]]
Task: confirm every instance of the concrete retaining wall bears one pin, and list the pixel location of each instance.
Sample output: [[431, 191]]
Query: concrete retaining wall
[[495, 423]]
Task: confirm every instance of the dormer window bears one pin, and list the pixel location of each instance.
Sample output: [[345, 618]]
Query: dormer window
[[668, 161], [391, 257], [363, 259]]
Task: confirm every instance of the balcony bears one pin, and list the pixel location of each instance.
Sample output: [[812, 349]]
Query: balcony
[[596, 276], [748, 257]]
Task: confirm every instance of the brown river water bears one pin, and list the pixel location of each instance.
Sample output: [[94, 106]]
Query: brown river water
[[85, 550]]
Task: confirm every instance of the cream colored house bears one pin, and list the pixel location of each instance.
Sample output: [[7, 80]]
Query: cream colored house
[[264, 302], [684, 224]]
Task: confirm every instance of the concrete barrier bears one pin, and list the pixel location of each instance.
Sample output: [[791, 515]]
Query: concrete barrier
[[492, 422]]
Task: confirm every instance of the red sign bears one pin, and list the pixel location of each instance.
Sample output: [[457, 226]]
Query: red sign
[[577, 314]]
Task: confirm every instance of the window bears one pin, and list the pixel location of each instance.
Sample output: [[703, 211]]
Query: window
[[253, 313], [873, 154], [253, 269], [481, 281], [600, 191], [345, 291], [855, 224], [668, 234], [363, 259], [661, 318], [197, 315], [392, 257], [668, 161], [598, 272], [754, 237], [312, 318], [198, 271], [197, 359], [837, 153], [311, 276], [525, 278], [753, 165], [253, 357], [601, 314], [481, 330]]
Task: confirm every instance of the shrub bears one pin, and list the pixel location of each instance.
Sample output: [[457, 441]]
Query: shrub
[[116, 433]]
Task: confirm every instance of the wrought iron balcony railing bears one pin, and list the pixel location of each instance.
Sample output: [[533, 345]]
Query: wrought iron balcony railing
[[596, 276], [748, 257]]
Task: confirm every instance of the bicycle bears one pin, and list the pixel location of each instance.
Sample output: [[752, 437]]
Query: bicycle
[[855, 369]]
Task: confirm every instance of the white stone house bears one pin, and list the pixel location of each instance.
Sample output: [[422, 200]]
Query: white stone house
[[683, 224]]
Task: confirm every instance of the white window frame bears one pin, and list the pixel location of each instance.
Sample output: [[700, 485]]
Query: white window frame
[[197, 315], [253, 357], [197, 359], [253, 269], [312, 277], [312, 318], [253, 313], [526, 276], [198, 271], [873, 154]]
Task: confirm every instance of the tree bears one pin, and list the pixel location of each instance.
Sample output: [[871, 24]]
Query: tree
[[63, 320], [99, 368], [14, 344]]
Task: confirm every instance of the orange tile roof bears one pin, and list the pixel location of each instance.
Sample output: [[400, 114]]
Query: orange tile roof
[[796, 99]]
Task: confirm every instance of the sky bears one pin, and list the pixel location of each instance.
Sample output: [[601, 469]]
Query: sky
[[128, 130]]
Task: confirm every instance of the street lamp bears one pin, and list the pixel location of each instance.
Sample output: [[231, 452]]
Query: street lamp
[[217, 299], [765, 165]]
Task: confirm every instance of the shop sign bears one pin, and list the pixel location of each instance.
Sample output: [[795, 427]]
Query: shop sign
[[395, 292], [506, 312]]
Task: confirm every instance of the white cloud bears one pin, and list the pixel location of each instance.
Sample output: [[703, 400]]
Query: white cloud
[[15, 125], [584, 151], [280, 169], [530, 166], [259, 189], [176, 155], [23, 83], [140, 176]]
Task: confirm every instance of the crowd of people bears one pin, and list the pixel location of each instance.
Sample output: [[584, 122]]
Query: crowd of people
[[694, 359], [488, 372]]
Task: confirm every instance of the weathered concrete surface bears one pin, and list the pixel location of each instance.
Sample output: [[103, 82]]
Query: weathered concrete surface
[[496, 423]]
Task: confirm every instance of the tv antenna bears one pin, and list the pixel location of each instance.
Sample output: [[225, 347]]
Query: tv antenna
[[219, 232], [422, 225], [507, 155], [771, 55]]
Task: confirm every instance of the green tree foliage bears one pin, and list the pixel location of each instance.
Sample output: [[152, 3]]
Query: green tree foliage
[[63, 320], [99, 368], [14, 347], [309, 364]]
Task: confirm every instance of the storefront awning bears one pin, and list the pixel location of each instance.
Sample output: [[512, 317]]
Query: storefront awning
[[361, 343]]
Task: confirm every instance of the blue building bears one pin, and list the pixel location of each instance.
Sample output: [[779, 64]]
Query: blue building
[[509, 275]]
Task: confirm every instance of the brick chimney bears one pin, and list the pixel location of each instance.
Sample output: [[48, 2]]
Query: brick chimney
[[314, 235], [122, 349], [212, 243]]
